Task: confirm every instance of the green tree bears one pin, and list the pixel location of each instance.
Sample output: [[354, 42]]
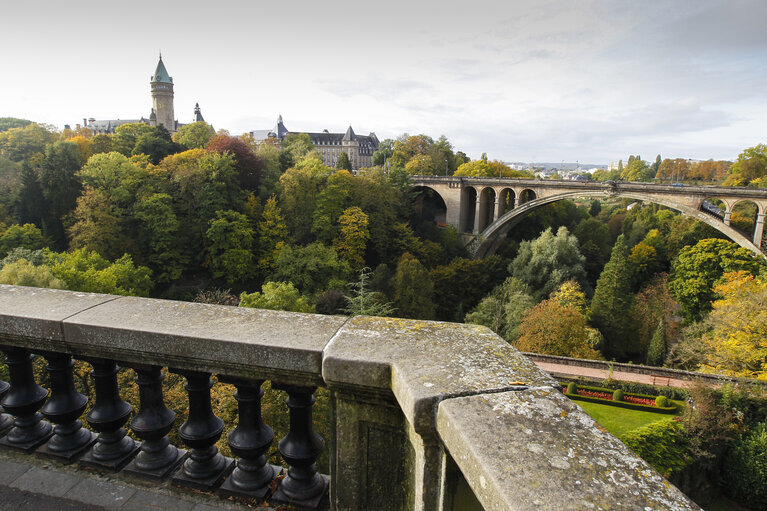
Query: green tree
[[548, 261], [364, 302], [750, 165], [460, 285], [159, 239], [21, 236], [98, 225], [299, 189], [24, 273], [312, 269], [230, 247], [156, 144], [612, 302], [30, 203], [343, 162], [26, 143], [101, 143], [7, 123], [353, 238], [126, 136], [503, 309], [248, 165], [384, 152], [280, 296], [83, 270], [331, 202], [61, 185], [195, 135], [413, 289], [697, 269], [656, 354], [272, 235]]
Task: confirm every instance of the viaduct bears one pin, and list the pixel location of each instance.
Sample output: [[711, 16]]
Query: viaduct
[[485, 209]]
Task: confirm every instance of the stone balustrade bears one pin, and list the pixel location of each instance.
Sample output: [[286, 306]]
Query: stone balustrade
[[424, 415]]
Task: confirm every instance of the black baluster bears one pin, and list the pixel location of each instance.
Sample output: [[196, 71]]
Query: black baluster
[[6, 421], [64, 408], [157, 457], [302, 486], [205, 467], [23, 401], [109, 413], [250, 440]]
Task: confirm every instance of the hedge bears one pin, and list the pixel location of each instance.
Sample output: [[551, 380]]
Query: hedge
[[662, 444], [621, 404], [676, 393]]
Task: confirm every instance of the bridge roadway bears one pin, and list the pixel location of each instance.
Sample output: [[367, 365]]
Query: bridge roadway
[[487, 208]]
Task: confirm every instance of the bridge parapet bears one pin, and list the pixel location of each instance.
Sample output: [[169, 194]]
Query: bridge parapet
[[418, 408]]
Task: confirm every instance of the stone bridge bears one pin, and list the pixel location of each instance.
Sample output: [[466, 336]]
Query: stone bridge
[[488, 208]]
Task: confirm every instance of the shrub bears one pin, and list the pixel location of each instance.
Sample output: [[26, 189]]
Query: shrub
[[661, 401], [662, 444], [572, 388], [618, 395], [745, 468]]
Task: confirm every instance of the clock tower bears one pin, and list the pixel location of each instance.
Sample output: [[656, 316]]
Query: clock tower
[[162, 98]]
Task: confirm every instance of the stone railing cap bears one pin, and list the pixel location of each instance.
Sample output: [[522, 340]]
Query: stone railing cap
[[425, 361], [554, 456]]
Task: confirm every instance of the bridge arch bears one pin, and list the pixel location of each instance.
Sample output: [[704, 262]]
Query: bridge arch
[[429, 202], [493, 235]]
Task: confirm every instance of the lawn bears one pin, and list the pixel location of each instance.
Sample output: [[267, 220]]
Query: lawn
[[619, 421]]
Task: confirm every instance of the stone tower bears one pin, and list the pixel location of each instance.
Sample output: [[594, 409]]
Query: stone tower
[[162, 98]]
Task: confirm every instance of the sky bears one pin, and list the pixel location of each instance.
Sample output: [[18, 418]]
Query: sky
[[540, 80]]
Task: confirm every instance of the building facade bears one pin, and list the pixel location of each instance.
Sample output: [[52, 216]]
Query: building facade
[[162, 113], [359, 148]]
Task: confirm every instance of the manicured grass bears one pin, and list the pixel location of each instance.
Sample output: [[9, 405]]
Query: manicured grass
[[619, 421]]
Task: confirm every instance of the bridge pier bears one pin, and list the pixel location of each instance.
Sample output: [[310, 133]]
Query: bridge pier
[[759, 230], [727, 216], [477, 213]]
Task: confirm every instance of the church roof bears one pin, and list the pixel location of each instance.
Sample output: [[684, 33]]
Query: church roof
[[161, 74]]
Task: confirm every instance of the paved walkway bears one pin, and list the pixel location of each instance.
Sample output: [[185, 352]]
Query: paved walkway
[[30, 483], [601, 374]]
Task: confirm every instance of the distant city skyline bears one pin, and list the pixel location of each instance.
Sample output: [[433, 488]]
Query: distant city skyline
[[550, 80]]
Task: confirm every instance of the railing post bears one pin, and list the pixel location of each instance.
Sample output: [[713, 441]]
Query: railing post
[[6, 421], [23, 401], [250, 440], [63, 409], [113, 449], [302, 486], [205, 466], [157, 457]]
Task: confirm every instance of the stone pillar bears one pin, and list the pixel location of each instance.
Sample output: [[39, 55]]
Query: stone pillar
[[6, 421], [517, 200], [477, 213], [759, 231], [497, 210], [727, 216]]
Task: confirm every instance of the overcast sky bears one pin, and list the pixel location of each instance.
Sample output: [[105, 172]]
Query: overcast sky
[[541, 80]]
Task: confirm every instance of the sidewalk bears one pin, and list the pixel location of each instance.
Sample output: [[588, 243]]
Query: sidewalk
[[601, 374]]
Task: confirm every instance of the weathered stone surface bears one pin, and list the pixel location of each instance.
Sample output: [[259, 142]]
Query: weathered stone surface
[[535, 449], [426, 361], [32, 312], [201, 337]]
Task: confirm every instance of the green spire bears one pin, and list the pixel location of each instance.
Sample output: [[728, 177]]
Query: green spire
[[161, 74]]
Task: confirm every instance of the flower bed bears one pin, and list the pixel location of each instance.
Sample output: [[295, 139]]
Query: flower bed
[[630, 400]]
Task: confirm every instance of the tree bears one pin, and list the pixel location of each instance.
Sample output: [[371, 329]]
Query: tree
[[279, 296], [30, 203], [312, 269], [101, 143], [548, 261], [155, 143], [503, 309], [344, 163], [353, 238], [248, 165], [230, 247], [21, 236], [697, 269], [61, 185], [87, 271], [612, 303], [750, 165], [460, 285], [126, 136], [554, 329], [26, 143], [736, 344], [331, 202], [364, 302], [159, 239], [7, 123], [656, 354], [384, 152], [272, 234], [299, 189], [413, 289], [24, 273], [653, 304], [594, 243], [98, 225], [195, 135]]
